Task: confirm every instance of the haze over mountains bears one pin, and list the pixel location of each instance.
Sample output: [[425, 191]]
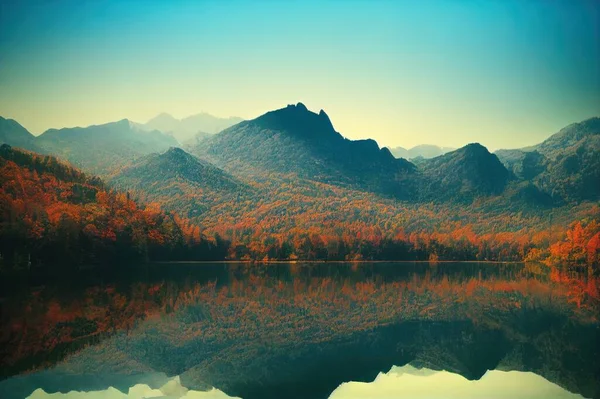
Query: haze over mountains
[[424, 151], [187, 128], [295, 141], [13, 133], [103, 148]]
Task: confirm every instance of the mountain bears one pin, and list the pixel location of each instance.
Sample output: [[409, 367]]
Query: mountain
[[162, 122], [12, 133], [179, 181], [568, 136], [187, 128], [566, 166], [294, 140], [103, 149], [424, 150], [464, 174]]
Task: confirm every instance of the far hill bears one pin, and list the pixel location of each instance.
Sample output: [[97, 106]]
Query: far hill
[[187, 128], [12, 133], [103, 149], [179, 181], [294, 140], [424, 151], [464, 174]]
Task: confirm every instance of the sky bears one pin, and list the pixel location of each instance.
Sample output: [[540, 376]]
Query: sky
[[504, 73]]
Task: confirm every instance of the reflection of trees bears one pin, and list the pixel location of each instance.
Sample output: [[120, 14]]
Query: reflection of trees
[[169, 325]]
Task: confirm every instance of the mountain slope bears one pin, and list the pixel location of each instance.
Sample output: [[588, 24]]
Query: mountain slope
[[568, 136], [12, 133], [566, 165], [179, 181], [294, 140], [464, 174], [102, 149], [187, 128]]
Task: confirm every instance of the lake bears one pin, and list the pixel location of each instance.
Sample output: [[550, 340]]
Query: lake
[[303, 330]]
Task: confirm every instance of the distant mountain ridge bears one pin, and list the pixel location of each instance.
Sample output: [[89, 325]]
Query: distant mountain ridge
[[102, 149], [566, 165], [423, 150], [99, 149], [187, 128], [295, 141]]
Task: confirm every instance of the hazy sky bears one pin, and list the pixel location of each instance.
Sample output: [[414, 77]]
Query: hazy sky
[[504, 73]]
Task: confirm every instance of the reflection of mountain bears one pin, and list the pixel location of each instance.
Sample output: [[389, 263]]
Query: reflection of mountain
[[169, 388], [300, 331], [404, 382], [410, 383]]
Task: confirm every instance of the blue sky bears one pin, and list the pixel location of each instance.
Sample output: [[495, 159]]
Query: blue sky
[[503, 73]]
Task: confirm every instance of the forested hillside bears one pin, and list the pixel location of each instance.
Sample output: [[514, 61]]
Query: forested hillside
[[54, 217], [180, 182]]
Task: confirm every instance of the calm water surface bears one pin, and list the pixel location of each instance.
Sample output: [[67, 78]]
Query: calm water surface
[[340, 331]]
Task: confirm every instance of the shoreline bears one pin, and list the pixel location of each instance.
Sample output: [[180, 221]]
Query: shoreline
[[292, 262]]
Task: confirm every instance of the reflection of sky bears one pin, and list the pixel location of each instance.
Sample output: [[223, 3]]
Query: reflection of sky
[[400, 382], [505, 73], [172, 389], [409, 383]]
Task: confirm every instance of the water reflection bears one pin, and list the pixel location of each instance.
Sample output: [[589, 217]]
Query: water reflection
[[410, 383], [401, 383], [171, 389], [299, 331]]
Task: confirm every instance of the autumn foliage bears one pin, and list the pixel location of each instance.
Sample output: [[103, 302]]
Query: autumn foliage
[[52, 214]]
